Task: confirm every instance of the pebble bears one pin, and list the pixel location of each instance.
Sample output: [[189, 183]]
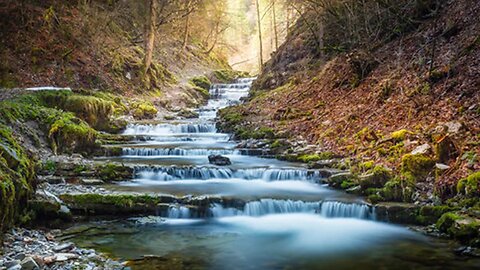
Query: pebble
[[31, 249]]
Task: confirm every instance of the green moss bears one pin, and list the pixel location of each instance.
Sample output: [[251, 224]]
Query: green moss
[[415, 168], [376, 179], [446, 221], [143, 110], [375, 198], [399, 135], [431, 214], [16, 178], [393, 191], [306, 158], [113, 172], [120, 200], [470, 186], [228, 75], [460, 227], [201, 81]]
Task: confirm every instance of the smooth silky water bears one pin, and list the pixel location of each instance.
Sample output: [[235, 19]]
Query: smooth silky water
[[287, 219]]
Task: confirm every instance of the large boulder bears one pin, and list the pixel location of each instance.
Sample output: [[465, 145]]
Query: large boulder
[[219, 160]]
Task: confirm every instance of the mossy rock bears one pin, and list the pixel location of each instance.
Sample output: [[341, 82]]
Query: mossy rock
[[116, 204], [416, 168], [338, 179], [430, 214], [393, 191], [376, 179], [400, 135], [307, 158], [228, 75], [470, 186], [202, 82], [17, 175], [143, 110], [112, 172], [460, 227], [188, 114], [402, 213]]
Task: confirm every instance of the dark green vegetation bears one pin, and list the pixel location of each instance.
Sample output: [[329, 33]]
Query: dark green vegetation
[[17, 177]]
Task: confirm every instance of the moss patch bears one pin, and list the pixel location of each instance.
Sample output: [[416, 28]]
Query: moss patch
[[415, 168], [143, 110], [470, 186], [16, 178]]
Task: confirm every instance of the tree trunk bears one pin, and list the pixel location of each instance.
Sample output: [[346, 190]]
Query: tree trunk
[[275, 30], [187, 26], [260, 56], [150, 34]]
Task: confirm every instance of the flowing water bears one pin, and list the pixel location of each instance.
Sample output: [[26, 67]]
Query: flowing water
[[275, 214]]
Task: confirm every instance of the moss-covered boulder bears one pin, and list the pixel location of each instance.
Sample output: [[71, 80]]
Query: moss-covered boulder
[[17, 178], [402, 213], [143, 110], [430, 214], [470, 186], [201, 81], [461, 227], [338, 179], [112, 172], [377, 178], [416, 168], [116, 204], [228, 75]]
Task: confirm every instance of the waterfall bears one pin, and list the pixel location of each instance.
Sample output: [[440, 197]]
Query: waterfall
[[145, 152], [168, 129], [327, 209], [178, 212], [204, 173]]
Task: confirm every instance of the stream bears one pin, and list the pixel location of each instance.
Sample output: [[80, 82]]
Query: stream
[[289, 219]]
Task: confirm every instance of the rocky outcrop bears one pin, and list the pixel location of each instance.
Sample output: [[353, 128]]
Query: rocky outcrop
[[219, 160]]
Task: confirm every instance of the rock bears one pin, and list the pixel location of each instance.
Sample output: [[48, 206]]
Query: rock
[[91, 182], [402, 213], [29, 264], [15, 267], [62, 257], [63, 247], [441, 166], [329, 163], [219, 160], [49, 260], [422, 149], [337, 179], [12, 264], [453, 127], [377, 179]]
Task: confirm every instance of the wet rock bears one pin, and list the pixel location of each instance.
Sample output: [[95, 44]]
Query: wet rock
[[91, 182], [422, 149], [336, 180], [402, 213], [63, 247], [29, 264], [219, 160], [441, 166], [61, 257]]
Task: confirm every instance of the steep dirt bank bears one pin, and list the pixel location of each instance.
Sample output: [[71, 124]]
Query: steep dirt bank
[[374, 106]]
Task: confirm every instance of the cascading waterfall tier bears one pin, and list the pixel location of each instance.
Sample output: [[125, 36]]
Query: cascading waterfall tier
[[168, 129], [327, 209], [174, 173], [129, 152]]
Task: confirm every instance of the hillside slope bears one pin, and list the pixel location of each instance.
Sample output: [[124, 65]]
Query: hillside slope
[[377, 105], [94, 45]]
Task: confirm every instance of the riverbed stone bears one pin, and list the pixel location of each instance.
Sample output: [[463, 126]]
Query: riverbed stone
[[402, 213], [219, 160], [29, 264]]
